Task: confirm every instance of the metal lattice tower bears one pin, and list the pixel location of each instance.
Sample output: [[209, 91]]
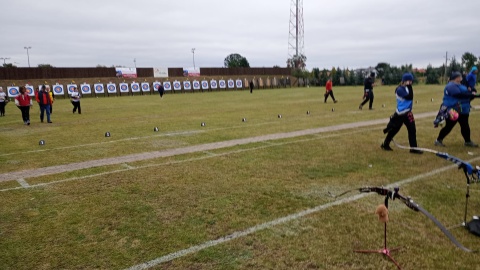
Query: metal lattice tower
[[295, 37]]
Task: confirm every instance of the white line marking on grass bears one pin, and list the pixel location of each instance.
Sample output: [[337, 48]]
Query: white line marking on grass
[[128, 166], [23, 183], [267, 225], [210, 154]]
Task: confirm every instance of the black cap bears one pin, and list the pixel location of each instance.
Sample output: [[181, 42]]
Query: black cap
[[455, 75], [372, 74]]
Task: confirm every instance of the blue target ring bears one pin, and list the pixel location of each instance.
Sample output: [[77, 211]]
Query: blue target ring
[[145, 86], [135, 87], [111, 88], [123, 87], [167, 85], [57, 89], [13, 91], [176, 85]]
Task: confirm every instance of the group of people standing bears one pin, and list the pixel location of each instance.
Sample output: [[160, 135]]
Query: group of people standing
[[455, 108], [44, 98]]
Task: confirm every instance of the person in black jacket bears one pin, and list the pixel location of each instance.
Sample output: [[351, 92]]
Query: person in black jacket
[[251, 86], [369, 83], [161, 90]]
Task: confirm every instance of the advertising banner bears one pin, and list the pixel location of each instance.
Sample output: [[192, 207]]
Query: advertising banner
[[126, 72], [191, 72], [160, 72]]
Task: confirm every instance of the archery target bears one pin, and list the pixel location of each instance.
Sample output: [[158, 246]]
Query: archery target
[[30, 90], [58, 89], [86, 89], [231, 84], [70, 88], [187, 85], [135, 87], [156, 85], [213, 84], [145, 87], [111, 88], [167, 86], [13, 91], [239, 83], [222, 84], [204, 85], [196, 85], [123, 87], [99, 88], [177, 86]]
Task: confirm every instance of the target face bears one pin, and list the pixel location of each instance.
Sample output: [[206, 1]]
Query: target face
[[213, 84], [124, 87], [231, 84], [167, 86], [205, 85], [239, 84], [196, 85], [86, 89], [222, 84], [111, 88], [176, 85], [99, 88], [58, 89], [13, 91], [145, 87], [135, 87], [187, 85], [29, 90]]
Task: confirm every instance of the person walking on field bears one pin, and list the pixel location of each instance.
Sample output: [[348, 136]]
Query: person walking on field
[[251, 85], [369, 83], [161, 89], [75, 99], [45, 101], [329, 91], [3, 101], [403, 115], [456, 104], [472, 80], [24, 102]]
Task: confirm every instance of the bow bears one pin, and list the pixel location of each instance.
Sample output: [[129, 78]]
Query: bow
[[389, 194]]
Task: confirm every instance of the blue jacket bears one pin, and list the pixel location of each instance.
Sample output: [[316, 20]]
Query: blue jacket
[[471, 80], [457, 96], [404, 99]]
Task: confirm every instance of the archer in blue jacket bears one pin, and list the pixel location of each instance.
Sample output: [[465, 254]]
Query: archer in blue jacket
[[472, 79], [456, 96], [403, 115]]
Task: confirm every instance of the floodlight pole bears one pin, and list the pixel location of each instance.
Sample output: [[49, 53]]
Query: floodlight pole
[[4, 58], [193, 52], [446, 60], [135, 62], [28, 55]]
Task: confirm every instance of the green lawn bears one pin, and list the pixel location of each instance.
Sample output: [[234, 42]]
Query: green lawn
[[117, 216]]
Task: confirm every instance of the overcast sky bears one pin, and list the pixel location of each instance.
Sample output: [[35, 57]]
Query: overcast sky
[[161, 33]]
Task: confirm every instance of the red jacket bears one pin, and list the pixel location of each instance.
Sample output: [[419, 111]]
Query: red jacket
[[328, 86], [24, 100], [44, 98]]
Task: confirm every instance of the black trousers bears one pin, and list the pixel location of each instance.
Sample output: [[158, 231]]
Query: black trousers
[[25, 113], [2, 108], [368, 97], [396, 123], [76, 105], [327, 94], [449, 125]]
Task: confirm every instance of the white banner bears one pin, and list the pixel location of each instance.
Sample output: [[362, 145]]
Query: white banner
[[177, 86], [239, 84], [213, 84], [70, 88], [30, 90], [167, 86], [13, 91], [196, 85], [145, 87], [98, 88], [155, 86], [222, 84], [187, 85], [86, 89], [160, 72], [58, 89], [231, 83], [111, 88], [205, 85], [126, 72], [123, 87], [135, 87]]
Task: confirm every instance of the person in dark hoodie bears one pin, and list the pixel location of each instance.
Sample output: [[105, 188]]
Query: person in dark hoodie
[[457, 97], [369, 83], [45, 101], [403, 115]]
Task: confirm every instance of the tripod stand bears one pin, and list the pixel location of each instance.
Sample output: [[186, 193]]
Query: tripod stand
[[385, 251]]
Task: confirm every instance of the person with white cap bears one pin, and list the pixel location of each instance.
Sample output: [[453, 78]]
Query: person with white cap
[[3, 101], [457, 97], [403, 115]]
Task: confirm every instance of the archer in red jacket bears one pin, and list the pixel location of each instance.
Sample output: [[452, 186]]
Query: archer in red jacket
[[329, 91], [45, 101], [24, 102]]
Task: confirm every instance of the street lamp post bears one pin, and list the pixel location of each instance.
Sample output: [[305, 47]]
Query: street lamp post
[[4, 59], [28, 55], [135, 62], [193, 52]]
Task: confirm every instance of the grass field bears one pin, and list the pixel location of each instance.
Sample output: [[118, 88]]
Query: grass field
[[126, 214]]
